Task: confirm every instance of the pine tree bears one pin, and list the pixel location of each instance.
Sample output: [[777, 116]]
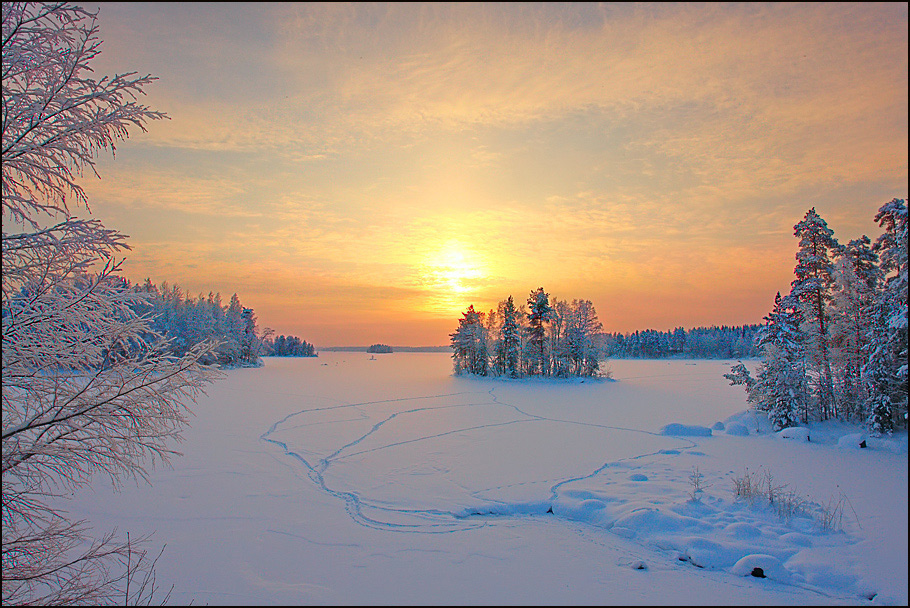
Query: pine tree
[[813, 288], [539, 311]]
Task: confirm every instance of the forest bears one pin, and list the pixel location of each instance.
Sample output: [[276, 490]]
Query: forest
[[231, 328], [549, 339]]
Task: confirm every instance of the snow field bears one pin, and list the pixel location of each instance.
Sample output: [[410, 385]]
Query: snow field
[[336, 480]]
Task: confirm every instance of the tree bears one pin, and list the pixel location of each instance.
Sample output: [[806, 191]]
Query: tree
[[678, 341], [88, 385], [560, 319], [886, 367], [469, 343], [539, 312], [779, 387], [813, 288], [508, 344], [582, 327], [858, 281]]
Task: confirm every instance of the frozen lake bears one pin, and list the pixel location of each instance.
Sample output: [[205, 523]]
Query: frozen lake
[[346, 480]]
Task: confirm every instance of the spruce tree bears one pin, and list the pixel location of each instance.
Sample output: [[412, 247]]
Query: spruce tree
[[780, 385]]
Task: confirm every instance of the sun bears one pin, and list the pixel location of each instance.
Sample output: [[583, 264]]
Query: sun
[[451, 274]]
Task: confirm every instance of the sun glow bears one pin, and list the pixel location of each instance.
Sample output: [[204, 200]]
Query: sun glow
[[451, 274]]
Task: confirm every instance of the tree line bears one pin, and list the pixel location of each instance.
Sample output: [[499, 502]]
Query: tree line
[[716, 342], [289, 346], [835, 347], [232, 329]]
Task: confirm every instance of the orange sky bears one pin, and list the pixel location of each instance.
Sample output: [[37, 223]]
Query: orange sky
[[362, 173]]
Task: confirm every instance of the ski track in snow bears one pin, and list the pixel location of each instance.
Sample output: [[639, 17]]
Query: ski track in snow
[[354, 503], [712, 535]]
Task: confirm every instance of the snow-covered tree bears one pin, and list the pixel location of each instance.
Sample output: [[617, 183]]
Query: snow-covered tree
[[508, 343], [886, 367], [539, 312], [813, 288], [560, 363], [581, 329], [678, 341], [858, 281], [469, 343], [88, 386], [779, 386]]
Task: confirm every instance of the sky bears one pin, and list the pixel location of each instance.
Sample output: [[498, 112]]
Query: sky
[[361, 173]]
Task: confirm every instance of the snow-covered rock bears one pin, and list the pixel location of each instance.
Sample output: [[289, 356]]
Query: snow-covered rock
[[760, 565]]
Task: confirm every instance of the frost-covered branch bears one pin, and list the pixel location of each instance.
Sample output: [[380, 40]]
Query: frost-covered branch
[[56, 117]]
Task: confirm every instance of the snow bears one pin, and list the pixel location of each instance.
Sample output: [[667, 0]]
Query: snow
[[737, 428], [796, 433], [340, 480]]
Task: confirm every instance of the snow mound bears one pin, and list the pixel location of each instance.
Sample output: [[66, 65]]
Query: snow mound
[[705, 553], [718, 426], [742, 530], [675, 428], [760, 565], [655, 520], [797, 433], [737, 428], [756, 422]]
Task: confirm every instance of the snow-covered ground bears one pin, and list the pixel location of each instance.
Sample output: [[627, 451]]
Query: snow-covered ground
[[346, 480]]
